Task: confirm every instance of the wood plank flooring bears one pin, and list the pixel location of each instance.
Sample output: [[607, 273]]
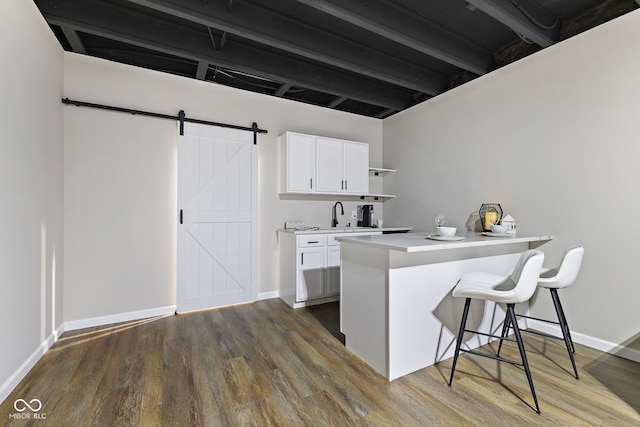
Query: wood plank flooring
[[265, 364]]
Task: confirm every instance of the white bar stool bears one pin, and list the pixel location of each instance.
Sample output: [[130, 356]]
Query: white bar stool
[[513, 289], [554, 279]]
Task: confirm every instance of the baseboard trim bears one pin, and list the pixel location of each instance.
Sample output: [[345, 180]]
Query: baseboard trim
[[119, 318], [596, 343], [12, 382], [268, 295]]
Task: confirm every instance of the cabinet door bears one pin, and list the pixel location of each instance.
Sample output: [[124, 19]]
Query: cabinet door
[[329, 162], [310, 273], [301, 163], [333, 256], [356, 167], [333, 271]]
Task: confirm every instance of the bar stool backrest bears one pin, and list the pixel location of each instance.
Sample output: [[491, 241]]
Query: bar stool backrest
[[569, 268], [525, 275]]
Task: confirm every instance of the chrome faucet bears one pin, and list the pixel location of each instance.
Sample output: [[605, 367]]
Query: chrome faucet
[[334, 217]]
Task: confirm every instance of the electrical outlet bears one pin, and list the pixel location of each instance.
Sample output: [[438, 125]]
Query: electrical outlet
[[354, 215]]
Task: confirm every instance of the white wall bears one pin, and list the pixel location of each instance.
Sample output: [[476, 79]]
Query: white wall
[[31, 250], [119, 206], [120, 195], [554, 139]]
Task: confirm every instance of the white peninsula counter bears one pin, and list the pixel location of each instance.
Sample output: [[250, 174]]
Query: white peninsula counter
[[396, 308]]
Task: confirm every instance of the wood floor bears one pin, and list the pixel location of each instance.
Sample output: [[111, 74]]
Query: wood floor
[[264, 364]]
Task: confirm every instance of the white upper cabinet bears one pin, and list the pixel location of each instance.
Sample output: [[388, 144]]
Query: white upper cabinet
[[298, 156], [329, 165], [315, 164], [356, 167]]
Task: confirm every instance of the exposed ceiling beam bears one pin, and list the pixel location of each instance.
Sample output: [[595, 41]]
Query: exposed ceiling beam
[[201, 72], [385, 113], [282, 90], [339, 100], [139, 29], [282, 32], [74, 39], [395, 24], [524, 17]]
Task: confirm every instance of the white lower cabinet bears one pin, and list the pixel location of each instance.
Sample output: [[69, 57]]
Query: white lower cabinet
[[310, 267], [310, 273]]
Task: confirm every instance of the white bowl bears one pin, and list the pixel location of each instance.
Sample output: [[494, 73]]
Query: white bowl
[[499, 229], [447, 231]]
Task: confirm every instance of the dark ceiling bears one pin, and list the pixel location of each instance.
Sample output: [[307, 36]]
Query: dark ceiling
[[369, 57]]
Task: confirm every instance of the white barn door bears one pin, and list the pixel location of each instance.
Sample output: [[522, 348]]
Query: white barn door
[[218, 210]]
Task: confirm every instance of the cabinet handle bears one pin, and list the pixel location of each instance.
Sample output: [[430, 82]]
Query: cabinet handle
[[342, 184], [310, 183], [302, 258], [314, 241], [345, 184]]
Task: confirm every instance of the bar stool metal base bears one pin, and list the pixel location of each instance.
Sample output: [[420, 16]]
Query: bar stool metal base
[[510, 318], [562, 322]]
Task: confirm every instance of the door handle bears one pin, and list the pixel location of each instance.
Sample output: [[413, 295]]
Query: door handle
[[180, 216]]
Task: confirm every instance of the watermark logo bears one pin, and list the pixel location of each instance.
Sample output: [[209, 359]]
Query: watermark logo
[[28, 410], [21, 405]]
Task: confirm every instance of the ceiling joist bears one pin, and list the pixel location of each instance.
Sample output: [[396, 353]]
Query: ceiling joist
[[282, 32], [408, 29], [139, 29], [74, 39], [339, 100], [525, 17], [284, 88], [201, 72]]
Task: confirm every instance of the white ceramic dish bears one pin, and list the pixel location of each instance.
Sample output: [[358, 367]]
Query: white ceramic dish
[[499, 229], [445, 238], [447, 231], [492, 234]]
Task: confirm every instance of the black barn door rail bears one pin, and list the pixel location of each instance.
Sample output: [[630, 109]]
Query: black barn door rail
[[180, 117]]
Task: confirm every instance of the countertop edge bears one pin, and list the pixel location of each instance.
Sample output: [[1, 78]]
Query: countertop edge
[[476, 240], [343, 230]]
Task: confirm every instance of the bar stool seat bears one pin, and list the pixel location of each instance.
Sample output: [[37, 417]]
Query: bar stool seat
[[554, 279], [512, 289]]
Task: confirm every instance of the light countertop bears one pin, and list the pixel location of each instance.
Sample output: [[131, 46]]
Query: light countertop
[[336, 230], [420, 242]]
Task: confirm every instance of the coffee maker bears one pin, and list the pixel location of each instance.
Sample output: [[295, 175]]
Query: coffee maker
[[365, 216]]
